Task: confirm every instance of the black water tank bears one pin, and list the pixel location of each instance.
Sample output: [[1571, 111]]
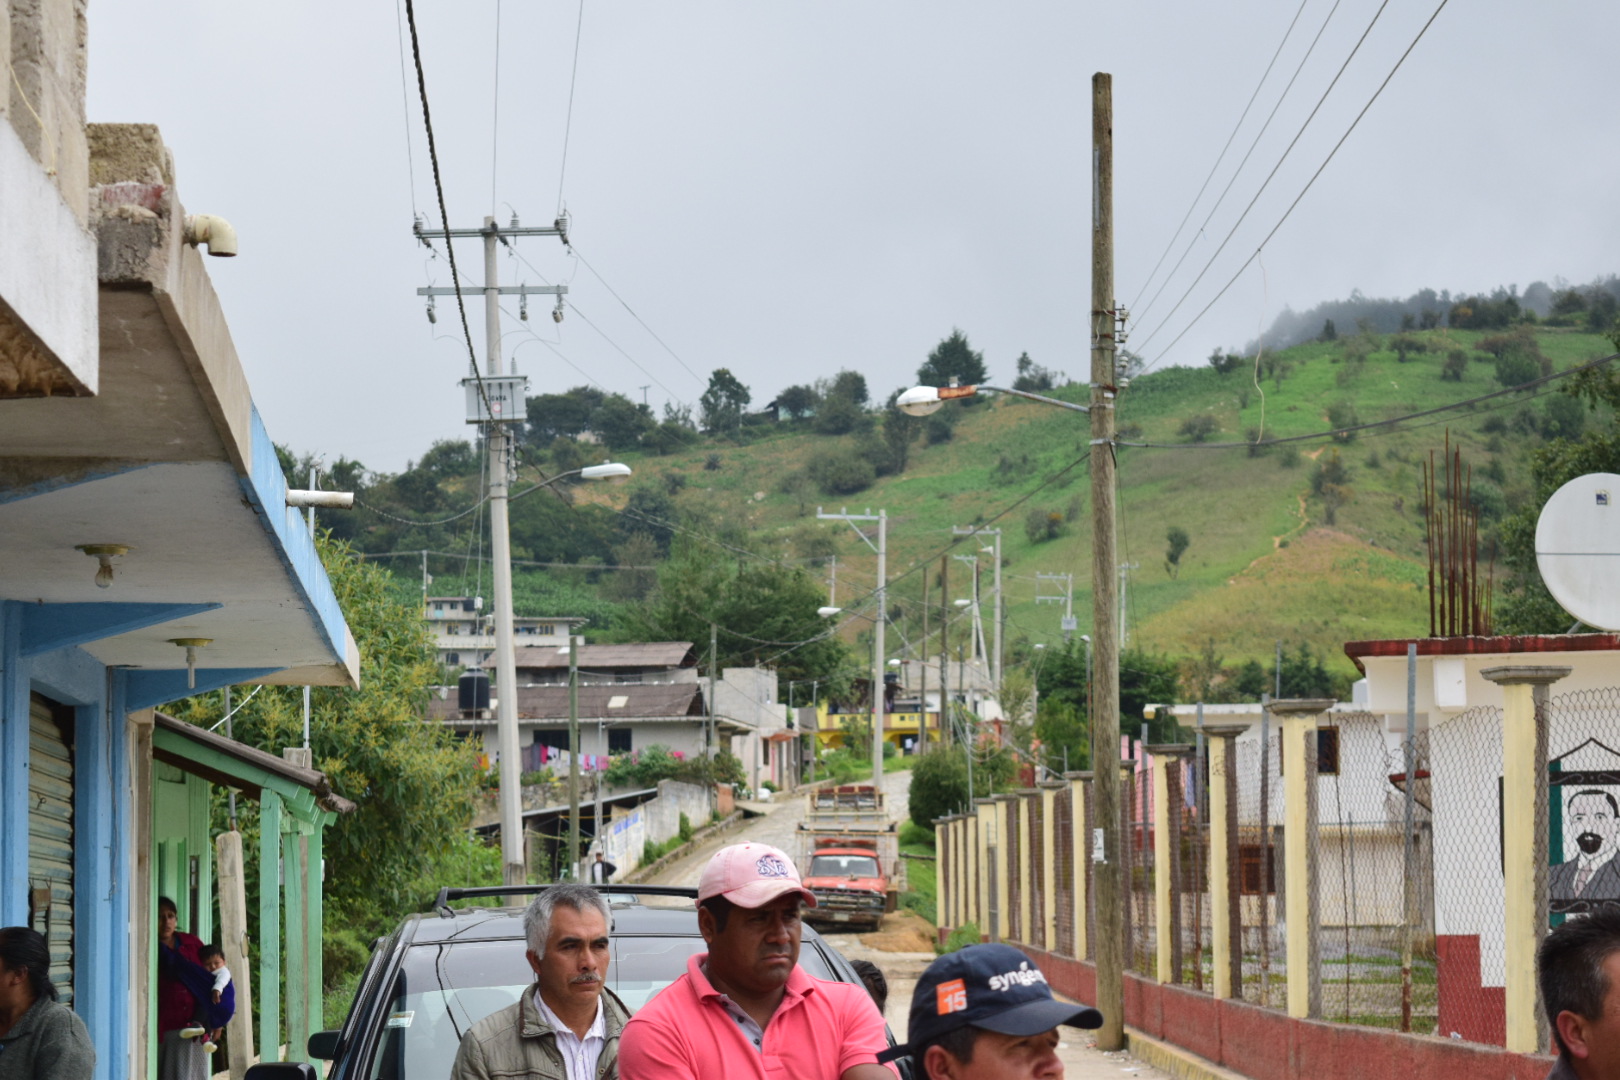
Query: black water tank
[[473, 691]]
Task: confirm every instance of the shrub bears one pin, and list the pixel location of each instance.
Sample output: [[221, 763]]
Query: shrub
[[841, 471], [1494, 424], [960, 938], [686, 829], [1200, 427], [1342, 415], [1456, 365], [712, 463], [1041, 525]]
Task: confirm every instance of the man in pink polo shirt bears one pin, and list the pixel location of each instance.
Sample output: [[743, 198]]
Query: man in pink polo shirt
[[746, 1010]]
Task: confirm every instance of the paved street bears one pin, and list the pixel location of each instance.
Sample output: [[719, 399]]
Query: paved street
[[778, 826]]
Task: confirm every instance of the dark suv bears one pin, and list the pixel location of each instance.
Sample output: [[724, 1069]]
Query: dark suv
[[440, 973]]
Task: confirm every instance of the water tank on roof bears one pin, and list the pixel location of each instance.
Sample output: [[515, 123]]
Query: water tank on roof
[[473, 691]]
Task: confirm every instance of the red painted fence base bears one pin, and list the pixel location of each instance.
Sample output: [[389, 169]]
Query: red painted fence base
[[1267, 1045]]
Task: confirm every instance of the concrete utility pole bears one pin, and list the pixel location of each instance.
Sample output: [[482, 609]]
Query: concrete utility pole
[[496, 401], [922, 668], [1065, 582], [995, 667], [1104, 560], [947, 728], [573, 758], [882, 549], [714, 659]]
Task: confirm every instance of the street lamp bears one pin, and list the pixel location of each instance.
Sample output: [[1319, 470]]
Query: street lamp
[[923, 400], [515, 865]]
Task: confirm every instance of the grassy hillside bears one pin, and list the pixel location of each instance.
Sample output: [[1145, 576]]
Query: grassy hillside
[[1263, 564]]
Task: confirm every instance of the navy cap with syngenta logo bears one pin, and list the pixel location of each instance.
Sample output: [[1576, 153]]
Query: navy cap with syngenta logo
[[994, 987]]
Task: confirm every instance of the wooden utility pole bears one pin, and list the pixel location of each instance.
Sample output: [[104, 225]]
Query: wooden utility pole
[[947, 727], [1111, 927], [922, 666]]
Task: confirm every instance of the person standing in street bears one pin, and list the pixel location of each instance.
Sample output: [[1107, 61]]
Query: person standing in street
[[745, 1010], [986, 1013], [602, 871], [566, 1025], [40, 1038]]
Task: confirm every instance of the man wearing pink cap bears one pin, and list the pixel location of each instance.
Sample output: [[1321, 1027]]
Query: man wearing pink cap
[[746, 1010]]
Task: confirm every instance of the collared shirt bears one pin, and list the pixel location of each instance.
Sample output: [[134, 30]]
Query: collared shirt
[[579, 1055], [687, 1032], [1561, 1070], [750, 1027], [1587, 867]]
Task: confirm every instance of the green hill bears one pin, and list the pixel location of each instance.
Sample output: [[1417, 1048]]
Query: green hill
[[1269, 559]]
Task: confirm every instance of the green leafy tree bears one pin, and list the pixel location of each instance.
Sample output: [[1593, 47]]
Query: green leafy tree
[[841, 471], [413, 782], [1178, 543], [1149, 679], [1032, 377], [797, 402], [1199, 427], [722, 404], [953, 358], [848, 386], [1064, 735], [939, 780], [765, 612], [838, 416]]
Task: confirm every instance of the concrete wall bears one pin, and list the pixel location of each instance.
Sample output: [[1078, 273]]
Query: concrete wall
[[1267, 1045], [674, 799]]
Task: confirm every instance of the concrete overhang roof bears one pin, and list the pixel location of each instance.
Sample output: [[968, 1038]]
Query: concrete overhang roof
[[170, 458]]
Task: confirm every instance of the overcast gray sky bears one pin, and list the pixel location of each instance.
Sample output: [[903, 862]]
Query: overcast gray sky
[[786, 189]]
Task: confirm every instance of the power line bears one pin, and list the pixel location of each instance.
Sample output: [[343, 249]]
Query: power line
[[405, 101], [1286, 151], [1222, 156], [444, 214], [597, 274], [568, 123]]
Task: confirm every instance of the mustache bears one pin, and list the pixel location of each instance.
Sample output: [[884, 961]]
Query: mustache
[[587, 977]]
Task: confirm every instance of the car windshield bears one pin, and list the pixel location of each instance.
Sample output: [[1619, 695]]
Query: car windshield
[[445, 988], [843, 866]]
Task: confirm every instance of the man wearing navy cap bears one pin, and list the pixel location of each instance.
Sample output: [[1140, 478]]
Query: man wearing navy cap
[[986, 1013]]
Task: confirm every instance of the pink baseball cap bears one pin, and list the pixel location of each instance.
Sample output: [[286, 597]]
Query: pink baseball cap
[[751, 876]]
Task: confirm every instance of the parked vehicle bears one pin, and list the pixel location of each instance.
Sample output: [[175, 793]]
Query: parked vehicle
[[441, 972], [852, 868]]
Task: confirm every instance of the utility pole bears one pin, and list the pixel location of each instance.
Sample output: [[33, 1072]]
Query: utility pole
[[1065, 596], [573, 758], [644, 390], [995, 668], [922, 668], [714, 657], [496, 401], [1105, 717], [882, 549], [947, 730]]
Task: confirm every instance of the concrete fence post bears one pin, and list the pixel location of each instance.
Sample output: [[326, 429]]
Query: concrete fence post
[[1080, 853], [1001, 868], [1049, 862], [1029, 866], [1167, 859], [1298, 717], [985, 810], [1224, 887], [1524, 843]]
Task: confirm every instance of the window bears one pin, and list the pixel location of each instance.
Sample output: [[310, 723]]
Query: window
[[619, 740], [556, 738], [1249, 860], [1327, 752], [453, 658]]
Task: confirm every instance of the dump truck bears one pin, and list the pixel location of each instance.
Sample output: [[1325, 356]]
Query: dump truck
[[849, 857]]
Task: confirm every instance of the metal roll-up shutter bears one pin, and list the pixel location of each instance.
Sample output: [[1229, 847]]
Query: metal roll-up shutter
[[50, 835]]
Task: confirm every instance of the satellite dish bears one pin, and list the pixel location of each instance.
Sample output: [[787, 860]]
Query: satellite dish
[[1578, 548]]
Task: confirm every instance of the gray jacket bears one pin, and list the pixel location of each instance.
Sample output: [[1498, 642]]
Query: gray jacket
[[516, 1042], [49, 1040]]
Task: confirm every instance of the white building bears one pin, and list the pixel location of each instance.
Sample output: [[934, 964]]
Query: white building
[[464, 633]]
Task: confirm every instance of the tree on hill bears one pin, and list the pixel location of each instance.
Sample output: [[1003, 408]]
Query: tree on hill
[[765, 612], [1032, 377], [797, 402], [848, 386], [953, 358], [722, 404], [1178, 541]]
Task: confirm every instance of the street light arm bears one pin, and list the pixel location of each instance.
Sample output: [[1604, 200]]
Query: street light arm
[[1037, 397], [923, 400]]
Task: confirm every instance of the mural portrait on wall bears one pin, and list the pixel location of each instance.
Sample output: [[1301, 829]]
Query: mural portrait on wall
[[1591, 874]]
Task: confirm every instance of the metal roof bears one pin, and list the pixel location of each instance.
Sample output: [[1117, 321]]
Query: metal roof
[[648, 654], [313, 779], [611, 703]]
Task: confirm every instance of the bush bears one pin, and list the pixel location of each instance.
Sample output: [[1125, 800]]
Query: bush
[[1041, 525], [686, 829], [841, 471], [1200, 427], [1456, 365], [1342, 415], [960, 938]]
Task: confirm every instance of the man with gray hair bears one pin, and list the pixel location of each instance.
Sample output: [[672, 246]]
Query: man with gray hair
[[1579, 969], [566, 1025]]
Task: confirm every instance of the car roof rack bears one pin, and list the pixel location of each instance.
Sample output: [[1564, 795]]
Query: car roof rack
[[441, 904]]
